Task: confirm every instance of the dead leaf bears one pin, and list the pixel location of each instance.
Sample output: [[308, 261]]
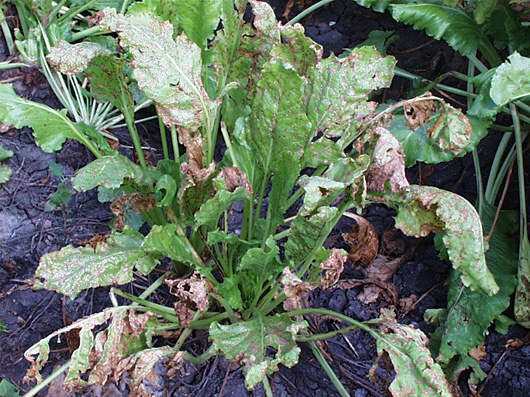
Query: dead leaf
[[419, 113], [407, 303], [233, 178], [381, 270], [393, 243], [388, 164], [5, 128], [175, 364], [294, 289], [478, 352], [363, 241], [191, 294], [333, 266]]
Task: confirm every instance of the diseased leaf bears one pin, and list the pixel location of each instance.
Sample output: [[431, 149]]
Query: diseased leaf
[[387, 167], [167, 70], [278, 130], [417, 374], [319, 192], [428, 209], [441, 135], [51, 127], [109, 172], [262, 262], [248, 342], [469, 315], [339, 88], [72, 270], [511, 80], [108, 82], [306, 232], [74, 58]]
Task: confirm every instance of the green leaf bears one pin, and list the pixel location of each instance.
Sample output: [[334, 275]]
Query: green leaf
[[504, 26], [5, 172], [261, 262], [165, 241], [72, 270], [51, 127], [229, 290], [74, 58], [428, 209], [247, 342], [109, 172], [211, 211], [454, 25], [511, 80], [199, 19], [417, 374], [306, 232], [167, 70], [466, 321], [167, 185], [7, 389]]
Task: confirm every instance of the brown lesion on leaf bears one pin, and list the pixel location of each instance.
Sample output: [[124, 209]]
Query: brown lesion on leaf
[[95, 241], [233, 178], [419, 113], [136, 202], [388, 164]]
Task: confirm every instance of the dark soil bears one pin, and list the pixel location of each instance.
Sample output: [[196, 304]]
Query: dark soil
[[27, 232]]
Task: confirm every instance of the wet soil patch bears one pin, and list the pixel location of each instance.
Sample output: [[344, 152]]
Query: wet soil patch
[[27, 232]]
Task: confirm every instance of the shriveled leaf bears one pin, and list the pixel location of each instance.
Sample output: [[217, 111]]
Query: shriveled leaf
[[74, 58], [248, 342], [363, 241], [306, 232], [167, 241], [109, 172], [469, 315], [71, 270], [428, 209], [511, 80], [191, 294], [167, 70], [41, 348], [51, 127], [417, 374]]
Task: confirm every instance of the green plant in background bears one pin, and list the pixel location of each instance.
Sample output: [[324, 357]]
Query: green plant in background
[[281, 110], [5, 171], [63, 195]]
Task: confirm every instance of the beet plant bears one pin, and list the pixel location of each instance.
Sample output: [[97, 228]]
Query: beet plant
[[304, 144]]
